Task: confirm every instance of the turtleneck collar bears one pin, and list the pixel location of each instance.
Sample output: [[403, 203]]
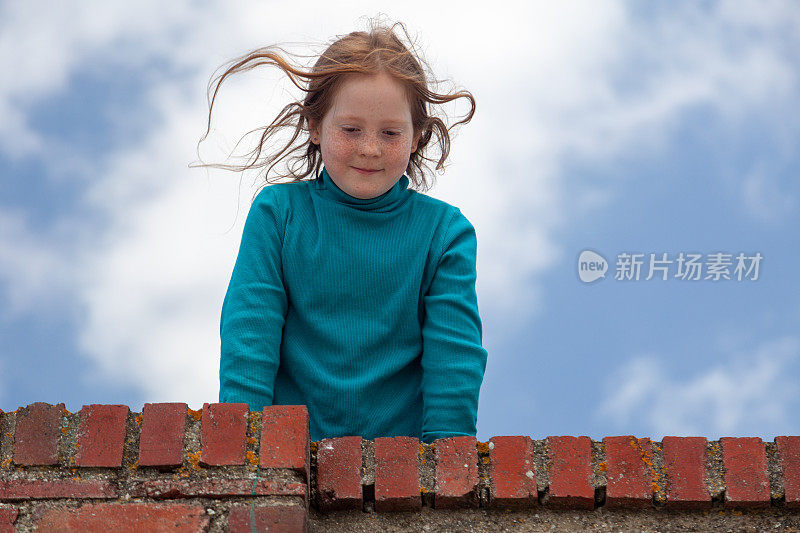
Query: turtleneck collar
[[389, 200]]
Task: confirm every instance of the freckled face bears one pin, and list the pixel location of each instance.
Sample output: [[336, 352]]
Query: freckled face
[[366, 137]]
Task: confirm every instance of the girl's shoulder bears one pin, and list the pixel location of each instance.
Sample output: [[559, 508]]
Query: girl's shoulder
[[447, 211], [280, 191]]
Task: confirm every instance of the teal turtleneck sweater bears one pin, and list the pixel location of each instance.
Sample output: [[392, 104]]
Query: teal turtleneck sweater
[[364, 310]]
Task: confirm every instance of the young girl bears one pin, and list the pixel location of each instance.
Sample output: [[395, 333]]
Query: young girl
[[353, 294]]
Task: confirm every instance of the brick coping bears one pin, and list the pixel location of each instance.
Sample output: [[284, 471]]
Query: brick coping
[[169, 456]]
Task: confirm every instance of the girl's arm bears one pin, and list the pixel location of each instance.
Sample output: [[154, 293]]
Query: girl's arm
[[254, 309], [453, 359]]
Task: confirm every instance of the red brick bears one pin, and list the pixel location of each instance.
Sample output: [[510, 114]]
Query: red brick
[[285, 440], [283, 518], [36, 434], [629, 473], [512, 472], [746, 482], [223, 434], [339, 474], [7, 517], [125, 518], [789, 452], [102, 435], [397, 485], [570, 473], [685, 464], [163, 430], [456, 473], [34, 489], [215, 488]]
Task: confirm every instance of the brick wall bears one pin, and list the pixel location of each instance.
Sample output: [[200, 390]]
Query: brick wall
[[227, 469]]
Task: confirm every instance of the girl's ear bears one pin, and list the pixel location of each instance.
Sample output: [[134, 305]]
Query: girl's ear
[[313, 131], [414, 142]]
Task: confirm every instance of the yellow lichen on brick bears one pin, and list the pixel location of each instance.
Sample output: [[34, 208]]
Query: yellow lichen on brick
[[9, 435], [313, 447], [63, 431], [485, 460], [423, 490], [483, 447], [197, 415], [134, 465], [7, 462], [138, 419], [251, 440], [251, 457], [602, 466], [194, 459], [65, 412]]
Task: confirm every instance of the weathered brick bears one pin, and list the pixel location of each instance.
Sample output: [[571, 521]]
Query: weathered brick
[[629, 472], [35, 489], [746, 482], [685, 464], [512, 472], [570, 473], [223, 434], [397, 485], [285, 438], [789, 453], [339, 474], [36, 434], [8, 516], [163, 430], [125, 518], [102, 435], [283, 518], [215, 488], [456, 473]]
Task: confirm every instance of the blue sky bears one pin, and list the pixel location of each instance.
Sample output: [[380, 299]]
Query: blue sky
[[600, 125]]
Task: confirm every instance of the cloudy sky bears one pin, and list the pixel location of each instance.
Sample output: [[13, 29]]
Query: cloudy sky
[[620, 128]]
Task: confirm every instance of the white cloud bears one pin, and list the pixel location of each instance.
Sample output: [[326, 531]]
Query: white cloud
[[746, 394], [549, 87], [42, 44], [763, 198], [36, 272]]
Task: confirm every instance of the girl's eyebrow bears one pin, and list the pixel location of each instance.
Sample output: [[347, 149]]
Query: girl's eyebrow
[[393, 121]]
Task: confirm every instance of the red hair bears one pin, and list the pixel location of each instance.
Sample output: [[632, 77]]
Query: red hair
[[377, 50]]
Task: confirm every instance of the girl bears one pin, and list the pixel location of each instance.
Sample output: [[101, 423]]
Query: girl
[[353, 294]]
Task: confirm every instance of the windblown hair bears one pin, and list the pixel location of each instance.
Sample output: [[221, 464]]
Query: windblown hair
[[373, 52]]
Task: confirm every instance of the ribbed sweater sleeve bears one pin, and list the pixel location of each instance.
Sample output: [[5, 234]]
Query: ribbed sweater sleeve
[[453, 359], [254, 309]]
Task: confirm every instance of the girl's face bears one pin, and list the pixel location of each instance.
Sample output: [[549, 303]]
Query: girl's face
[[366, 137]]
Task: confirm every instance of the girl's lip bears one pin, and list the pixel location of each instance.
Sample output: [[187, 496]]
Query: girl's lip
[[366, 170]]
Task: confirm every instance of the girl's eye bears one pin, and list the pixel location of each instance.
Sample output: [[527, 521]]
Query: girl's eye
[[391, 133], [349, 129]]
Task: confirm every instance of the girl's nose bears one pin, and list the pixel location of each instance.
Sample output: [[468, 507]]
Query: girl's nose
[[370, 145]]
